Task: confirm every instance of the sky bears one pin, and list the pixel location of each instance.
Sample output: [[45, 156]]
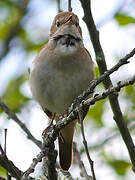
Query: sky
[[115, 43]]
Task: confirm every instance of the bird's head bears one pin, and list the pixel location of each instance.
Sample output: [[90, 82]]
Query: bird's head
[[65, 30]]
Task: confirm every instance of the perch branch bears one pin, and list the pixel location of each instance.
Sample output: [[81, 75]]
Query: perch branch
[[13, 116], [49, 161], [113, 98], [53, 132]]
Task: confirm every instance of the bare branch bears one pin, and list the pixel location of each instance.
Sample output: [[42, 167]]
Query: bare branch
[[5, 143], [2, 178], [86, 146], [80, 162], [69, 6], [99, 145], [1, 149], [94, 83], [49, 161], [33, 165], [113, 98], [58, 4], [48, 154], [109, 91], [10, 167], [13, 116]]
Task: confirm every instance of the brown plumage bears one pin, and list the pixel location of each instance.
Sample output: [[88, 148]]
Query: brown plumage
[[63, 70]]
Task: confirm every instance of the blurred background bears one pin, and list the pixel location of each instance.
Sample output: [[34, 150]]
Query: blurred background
[[24, 29]]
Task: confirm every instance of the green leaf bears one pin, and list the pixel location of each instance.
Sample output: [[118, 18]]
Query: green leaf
[[130, 93], [96, 113], [97, 73], [120, 166], [124, 19], [2, 171], [13, 97]]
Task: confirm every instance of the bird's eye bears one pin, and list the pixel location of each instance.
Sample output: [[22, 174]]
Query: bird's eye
[[57, 23], [77, 24]]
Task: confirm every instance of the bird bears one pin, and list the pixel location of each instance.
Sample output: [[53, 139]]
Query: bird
[[63, 69]]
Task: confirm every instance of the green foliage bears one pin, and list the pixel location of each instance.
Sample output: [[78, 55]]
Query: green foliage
[[13, 97], [2, 172], [96, 113], [28, 44], [130, 93], [124, 19], [10, 18], [120, 166], [96, 70]]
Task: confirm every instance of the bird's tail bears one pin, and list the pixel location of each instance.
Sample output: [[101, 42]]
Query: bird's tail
[[65, 146]]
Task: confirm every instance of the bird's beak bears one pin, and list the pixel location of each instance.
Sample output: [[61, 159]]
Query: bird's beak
[[69, 21]]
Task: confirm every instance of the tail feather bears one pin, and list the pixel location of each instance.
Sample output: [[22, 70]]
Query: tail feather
[[65, 154], [65, 146]]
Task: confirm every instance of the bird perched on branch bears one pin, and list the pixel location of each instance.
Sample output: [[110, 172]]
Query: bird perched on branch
[[62, 70]]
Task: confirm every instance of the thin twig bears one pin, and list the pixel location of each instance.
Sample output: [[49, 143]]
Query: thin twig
[[5, 143], [86, 146], [14, 117], [1, 178], [5, 150], [99, 145], [1, 149], [69, 6], [80, 162], [58, 4], [33, 165], [109, 91], [10, 167]]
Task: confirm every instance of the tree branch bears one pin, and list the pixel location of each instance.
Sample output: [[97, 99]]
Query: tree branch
[[85, 145], [69, 6], [94, 83], [53, 132], [99, 145], [13, 116], [9, 166], [33, 165], [80, 162], [49, 161], [58, 5], [100, 58], [114, 89]]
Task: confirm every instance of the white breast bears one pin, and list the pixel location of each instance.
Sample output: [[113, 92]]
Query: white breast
[[55, 85]]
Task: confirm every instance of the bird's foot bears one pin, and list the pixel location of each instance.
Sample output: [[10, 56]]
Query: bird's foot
[[45, 131]]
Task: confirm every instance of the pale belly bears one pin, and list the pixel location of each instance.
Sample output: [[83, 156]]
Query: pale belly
[[56, 88]]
